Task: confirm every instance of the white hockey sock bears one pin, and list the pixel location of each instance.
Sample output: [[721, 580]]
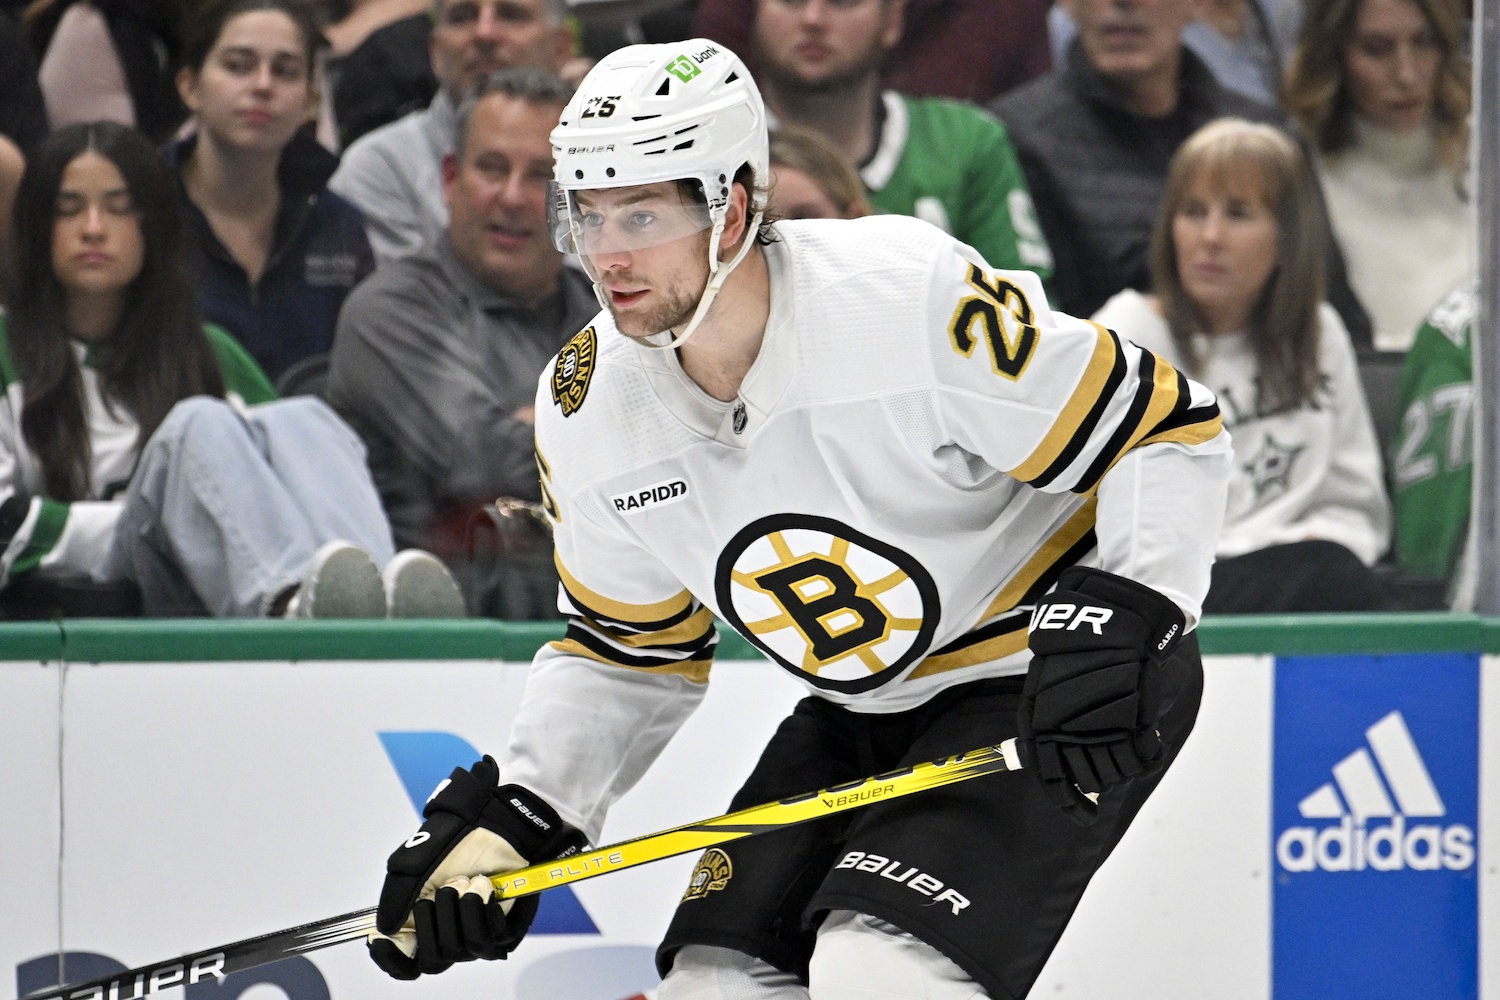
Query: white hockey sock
[[859, 957], [700, 972]]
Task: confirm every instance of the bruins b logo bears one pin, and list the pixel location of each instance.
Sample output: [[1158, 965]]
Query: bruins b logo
[[840, 609], [572, 370], [1003, 317]]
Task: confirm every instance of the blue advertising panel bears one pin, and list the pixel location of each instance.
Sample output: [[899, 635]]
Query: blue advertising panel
[[1374, 827]]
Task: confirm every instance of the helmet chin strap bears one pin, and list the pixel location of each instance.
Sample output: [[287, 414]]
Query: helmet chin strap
[[718, 272]]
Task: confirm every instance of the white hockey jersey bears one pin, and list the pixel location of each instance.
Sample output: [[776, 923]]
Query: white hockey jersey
[[920, 449]]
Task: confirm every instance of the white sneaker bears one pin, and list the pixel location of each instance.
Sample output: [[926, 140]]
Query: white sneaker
[[418, 585], [342, 581]]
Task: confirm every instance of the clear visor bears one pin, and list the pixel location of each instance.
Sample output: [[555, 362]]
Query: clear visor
[[615, 220]]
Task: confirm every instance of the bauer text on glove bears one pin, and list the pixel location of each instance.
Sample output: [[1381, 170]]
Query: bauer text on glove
[[437, 905]]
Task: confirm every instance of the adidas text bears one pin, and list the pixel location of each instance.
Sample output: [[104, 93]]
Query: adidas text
[[1069, 616], [918, 881], [1387, 848], [652, 496], [1388, 782]]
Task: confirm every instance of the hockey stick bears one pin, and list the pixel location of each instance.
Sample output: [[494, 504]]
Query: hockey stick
[[248, 954]]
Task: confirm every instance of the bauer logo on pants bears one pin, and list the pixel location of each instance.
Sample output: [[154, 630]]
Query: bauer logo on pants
[[1375, 826]]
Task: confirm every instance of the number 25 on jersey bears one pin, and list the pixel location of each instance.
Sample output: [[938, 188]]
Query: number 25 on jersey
[[1000, 314]]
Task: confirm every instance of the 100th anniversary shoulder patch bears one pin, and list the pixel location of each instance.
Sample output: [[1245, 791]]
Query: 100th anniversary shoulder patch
[[712, 874], [572, 371]]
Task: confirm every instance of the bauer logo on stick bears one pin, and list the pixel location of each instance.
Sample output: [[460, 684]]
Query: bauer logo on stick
[[572, 371]]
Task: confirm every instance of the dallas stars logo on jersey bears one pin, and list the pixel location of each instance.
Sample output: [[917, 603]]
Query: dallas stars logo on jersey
[[844, 610]]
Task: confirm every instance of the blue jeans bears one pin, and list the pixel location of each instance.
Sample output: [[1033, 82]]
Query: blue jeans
[[225, 510]]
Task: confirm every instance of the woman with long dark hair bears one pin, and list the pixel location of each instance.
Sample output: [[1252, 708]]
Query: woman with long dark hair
[[137, 443], [1237, 272], [276, 251]]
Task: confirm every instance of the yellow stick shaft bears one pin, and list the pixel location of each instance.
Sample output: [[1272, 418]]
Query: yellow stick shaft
[[757, 819]]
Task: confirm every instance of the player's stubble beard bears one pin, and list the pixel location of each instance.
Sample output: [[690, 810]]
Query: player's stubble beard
[[678, 298]]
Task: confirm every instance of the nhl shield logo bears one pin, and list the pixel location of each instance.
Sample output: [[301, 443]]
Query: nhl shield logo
[[712, 874], [572, 371]]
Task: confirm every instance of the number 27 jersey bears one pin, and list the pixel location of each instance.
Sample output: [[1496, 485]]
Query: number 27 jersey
[[920, 449]]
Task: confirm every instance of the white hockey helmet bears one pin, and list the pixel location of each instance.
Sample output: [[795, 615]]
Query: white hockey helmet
[[652, 113]]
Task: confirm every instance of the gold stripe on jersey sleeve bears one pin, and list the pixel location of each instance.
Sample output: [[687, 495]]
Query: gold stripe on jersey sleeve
[[1053, 549], [981, 652], [634, 614], [690, 630], [1164, 397], [694, 670], [1085, 395], [1200, 433]]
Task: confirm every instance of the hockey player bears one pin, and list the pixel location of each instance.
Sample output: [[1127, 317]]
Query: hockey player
[[880, 461]]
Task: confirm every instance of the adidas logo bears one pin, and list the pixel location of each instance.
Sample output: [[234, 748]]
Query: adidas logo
[[1393, 787]]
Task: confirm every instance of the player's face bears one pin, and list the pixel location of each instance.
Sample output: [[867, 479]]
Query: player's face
[[818, 45], [1225, 234], [496, 188], [97, 244], [1131, 40], [1392, 64], [473, 38], [255, 88], [649, 248]]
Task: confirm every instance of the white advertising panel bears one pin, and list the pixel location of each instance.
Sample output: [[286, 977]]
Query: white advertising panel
[[203, 803], [30, 762]]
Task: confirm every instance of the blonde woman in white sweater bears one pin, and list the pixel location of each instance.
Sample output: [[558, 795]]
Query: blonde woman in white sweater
[[1237, 266], [1382, 90]]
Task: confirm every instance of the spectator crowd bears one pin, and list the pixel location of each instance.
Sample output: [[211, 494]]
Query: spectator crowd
[[278, 283]]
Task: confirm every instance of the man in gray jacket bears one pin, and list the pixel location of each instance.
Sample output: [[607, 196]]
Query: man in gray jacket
[[437, 356], [393, 174]]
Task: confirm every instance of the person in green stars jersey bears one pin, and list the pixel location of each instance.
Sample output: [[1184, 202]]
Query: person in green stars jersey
[[1432, 456], [943, 161]]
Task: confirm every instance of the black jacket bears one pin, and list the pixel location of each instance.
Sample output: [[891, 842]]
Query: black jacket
[[1097, 173], [23, 113], [318, 253], [388, 75]]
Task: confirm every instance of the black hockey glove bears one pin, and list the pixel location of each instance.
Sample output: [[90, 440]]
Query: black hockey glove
[[437, 905], [1093, 695]]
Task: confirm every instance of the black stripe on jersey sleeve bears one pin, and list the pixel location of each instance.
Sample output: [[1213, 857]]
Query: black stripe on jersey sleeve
[[999, 627], [694, 644], [1145, 388], [1086, 426], [614, 654], [593, 614], [1185, 414], [1045, 582]]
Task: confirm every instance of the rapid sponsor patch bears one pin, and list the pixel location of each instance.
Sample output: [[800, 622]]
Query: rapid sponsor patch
[[655, 495]]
